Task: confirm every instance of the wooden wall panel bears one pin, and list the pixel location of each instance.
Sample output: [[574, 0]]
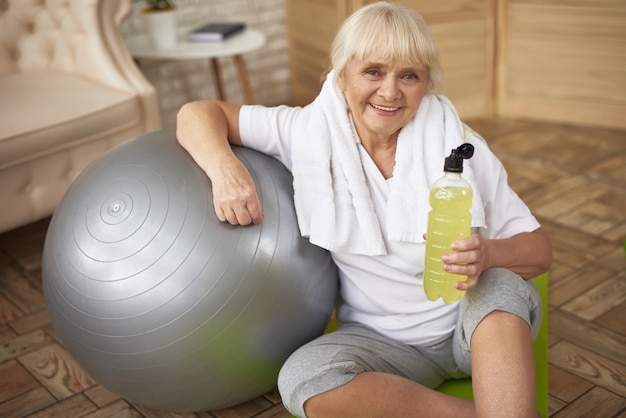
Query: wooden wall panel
[[311, 28], [563, 60], [467, 49]]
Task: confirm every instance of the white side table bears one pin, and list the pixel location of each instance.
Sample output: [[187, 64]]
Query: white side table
[[235, 46]]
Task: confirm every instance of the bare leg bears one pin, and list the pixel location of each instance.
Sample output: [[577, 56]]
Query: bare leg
[[383, 395], [503, 367]]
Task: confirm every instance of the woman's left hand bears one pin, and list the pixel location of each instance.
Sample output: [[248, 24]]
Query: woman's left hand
[[469, 258]]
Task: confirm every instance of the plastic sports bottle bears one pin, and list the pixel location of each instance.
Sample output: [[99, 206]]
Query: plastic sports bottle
[[449, 220]]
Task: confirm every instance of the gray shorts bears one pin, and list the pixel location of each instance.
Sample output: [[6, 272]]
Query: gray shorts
[[334, 359]]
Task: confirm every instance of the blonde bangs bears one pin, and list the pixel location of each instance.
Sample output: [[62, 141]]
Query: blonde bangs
[[391, 41]]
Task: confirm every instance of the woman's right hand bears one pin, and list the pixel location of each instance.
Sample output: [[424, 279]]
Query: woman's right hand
[[234, 194], [206, 129]]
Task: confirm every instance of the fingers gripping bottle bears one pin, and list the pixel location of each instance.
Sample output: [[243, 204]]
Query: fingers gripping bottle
[[449, 220]]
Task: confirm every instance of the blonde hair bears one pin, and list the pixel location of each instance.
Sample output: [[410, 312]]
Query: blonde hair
[[391, 32]]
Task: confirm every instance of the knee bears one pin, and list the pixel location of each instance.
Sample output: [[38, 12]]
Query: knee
[[500, 276], [290, 377], [301, 377], [500, 289], [497, 284], [311, 370]]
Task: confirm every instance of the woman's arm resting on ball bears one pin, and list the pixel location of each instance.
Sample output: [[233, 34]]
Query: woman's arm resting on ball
[[206, 129], [527, 254]]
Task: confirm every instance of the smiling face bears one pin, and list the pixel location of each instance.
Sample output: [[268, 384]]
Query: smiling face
[[382, 96]]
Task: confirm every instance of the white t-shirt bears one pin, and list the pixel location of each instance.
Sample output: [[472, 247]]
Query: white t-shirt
[[386, 292]]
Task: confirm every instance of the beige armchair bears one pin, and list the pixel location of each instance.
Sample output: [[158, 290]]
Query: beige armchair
[[69, 91]]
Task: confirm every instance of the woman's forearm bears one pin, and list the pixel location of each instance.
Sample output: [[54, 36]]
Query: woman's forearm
[[206, 129], [528, 254]]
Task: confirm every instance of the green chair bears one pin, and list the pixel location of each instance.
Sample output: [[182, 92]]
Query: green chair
[[462, 388]]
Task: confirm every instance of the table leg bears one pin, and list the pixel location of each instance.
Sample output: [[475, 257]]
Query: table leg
[[243, 79], [217, 78]]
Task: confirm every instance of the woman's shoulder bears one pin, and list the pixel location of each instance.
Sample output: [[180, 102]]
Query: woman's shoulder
[[278, 114], [470, 135]]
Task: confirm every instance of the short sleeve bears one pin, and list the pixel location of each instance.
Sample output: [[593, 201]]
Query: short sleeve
[[271, 130], [505, 212]]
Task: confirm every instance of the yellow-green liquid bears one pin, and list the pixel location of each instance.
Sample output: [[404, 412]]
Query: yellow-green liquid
[[449, 220]]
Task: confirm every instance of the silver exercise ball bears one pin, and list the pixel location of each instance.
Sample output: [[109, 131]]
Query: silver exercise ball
[[165, 305]]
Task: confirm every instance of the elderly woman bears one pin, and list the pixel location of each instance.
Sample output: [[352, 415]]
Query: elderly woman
[[363, 156]]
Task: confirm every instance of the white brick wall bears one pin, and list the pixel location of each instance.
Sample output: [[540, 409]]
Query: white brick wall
[[179, 82]]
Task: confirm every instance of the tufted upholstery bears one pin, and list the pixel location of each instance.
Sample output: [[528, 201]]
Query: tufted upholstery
[[69, 91]]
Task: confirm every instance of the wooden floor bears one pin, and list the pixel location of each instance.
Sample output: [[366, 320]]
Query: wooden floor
[[573, 178]]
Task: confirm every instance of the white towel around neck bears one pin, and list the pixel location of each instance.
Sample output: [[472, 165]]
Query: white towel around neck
[[331, 195]]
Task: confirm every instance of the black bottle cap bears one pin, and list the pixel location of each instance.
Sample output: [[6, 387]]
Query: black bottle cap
[[454, 162]]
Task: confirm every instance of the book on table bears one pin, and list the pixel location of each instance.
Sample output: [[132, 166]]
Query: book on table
[[215, 32]]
